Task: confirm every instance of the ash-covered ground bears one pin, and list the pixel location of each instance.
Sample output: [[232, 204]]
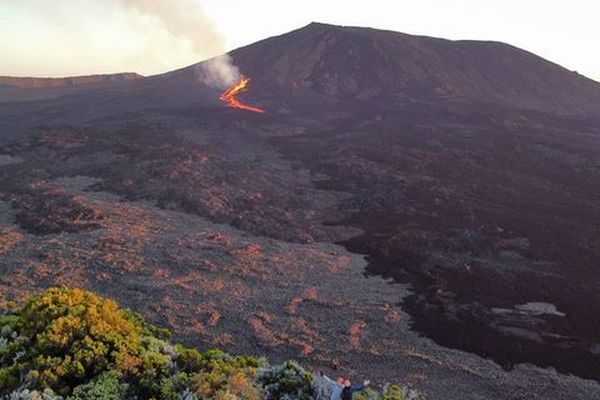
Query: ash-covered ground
[[217, 286], [212, 232]]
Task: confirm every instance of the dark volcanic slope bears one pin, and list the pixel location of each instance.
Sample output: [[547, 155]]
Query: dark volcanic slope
[[471, 168], [368, 64]]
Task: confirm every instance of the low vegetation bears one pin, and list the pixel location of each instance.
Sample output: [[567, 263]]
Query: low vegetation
[[72, 344]]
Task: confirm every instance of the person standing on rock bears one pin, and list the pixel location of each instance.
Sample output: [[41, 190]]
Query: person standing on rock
[[349, 390]]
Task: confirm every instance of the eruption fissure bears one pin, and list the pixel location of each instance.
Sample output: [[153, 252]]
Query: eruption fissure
[[230, 96]]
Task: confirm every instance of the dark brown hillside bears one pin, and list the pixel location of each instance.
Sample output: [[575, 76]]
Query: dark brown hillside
[[382, 66], [330, 68]]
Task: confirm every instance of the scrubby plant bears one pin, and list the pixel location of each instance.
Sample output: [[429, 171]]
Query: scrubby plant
[[222, 377], [390, 392], [369, 394], [287, 381], [187, 395], [108, 386], [64, 337], [155, 376], [221, 385], [6, 306], [71, 344], [26, 394], [394, 392]]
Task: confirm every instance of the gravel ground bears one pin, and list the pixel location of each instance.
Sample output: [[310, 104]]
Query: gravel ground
[[216, 286]]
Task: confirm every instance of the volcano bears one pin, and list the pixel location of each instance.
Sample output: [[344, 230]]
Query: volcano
[[465, 172]]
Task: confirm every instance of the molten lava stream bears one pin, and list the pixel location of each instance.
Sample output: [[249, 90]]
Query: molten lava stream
[[230, 96]]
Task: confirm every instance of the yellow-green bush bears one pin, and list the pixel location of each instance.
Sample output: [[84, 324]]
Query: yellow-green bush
[[73, 344], [66, 336], [77, 343]]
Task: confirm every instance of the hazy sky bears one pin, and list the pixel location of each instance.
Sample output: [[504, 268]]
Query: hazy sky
[[75, 37]]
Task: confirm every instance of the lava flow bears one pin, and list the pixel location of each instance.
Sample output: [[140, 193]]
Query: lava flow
[[230, 96]]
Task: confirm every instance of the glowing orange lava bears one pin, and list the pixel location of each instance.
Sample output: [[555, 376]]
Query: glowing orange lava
[[230, 96]]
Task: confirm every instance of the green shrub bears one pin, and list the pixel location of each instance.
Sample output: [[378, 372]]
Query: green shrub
[[220, 376], [394, 392], [108, 386], [390, 392], [157, 366], [187, 395], [288, 381], [26, 394], [68, 336], [72, 343], [189, 360], [368, 394]]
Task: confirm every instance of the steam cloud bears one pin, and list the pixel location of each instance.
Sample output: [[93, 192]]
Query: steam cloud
[[185, 19], [219, 72], [144, 36]]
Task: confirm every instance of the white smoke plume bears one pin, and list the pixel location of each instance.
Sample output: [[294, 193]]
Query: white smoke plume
[[219, 72], [185, 19], [103, 36]]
